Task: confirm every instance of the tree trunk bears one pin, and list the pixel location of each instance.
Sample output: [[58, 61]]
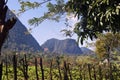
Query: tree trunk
[[5, 26]]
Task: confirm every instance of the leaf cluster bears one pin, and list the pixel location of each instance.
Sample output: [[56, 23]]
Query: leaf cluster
[[55, 10], [96, 16], [27, 5], [105, 41]]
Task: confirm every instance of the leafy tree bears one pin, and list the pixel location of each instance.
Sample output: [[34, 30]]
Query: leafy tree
[[107, 44], [95, 16], [54, 10]]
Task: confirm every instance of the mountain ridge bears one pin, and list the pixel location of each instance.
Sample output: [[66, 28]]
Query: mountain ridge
[[68, 46], [65, 46], [17, 39]]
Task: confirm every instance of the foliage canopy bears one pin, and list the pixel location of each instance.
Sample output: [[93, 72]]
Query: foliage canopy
[[105, 42]]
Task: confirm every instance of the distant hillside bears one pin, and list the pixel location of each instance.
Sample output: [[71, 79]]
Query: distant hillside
[[87, 51], [67, 46], [18, 40]]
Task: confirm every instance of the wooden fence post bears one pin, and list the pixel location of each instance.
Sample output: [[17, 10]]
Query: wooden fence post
[[110, 74], [6, 65], [42, 70], [68, 66], [15, 66], [51, 70], [100, 73], [36, 69], [1, 66], [94, 72], [89, 70], [84, 72], [80, 70], [58, 65], [25, 67], [65, 71]]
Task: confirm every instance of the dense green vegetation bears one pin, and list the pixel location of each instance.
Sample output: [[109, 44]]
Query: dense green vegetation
[[107, 45], [58, 67]]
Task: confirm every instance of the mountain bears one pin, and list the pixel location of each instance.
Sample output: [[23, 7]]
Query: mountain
[[87, 51], [18, 39], [68, 46]]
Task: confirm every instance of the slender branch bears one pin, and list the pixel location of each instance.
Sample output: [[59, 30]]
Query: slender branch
[[45, 2], [32, 7], [6, 1]]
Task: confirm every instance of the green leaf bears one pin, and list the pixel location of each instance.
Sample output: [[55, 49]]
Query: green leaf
[[117, 10]]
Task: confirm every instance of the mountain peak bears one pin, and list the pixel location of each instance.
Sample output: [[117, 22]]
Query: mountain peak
[[68, 46], [18, 40]]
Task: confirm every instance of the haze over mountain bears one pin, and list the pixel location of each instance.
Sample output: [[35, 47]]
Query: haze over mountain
[[87, 50], [68, 46], [18, 39]]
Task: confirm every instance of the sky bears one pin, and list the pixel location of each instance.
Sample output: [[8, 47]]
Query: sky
[[46, 30]]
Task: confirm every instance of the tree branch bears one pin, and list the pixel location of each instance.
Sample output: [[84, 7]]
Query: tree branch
[[22, 11]]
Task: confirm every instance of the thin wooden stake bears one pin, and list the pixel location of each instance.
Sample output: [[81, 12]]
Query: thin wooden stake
[[42, 70], [15, 66], [36, 69]]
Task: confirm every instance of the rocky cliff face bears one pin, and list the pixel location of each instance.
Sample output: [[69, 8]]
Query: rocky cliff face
[[68, 46], [19, 40]]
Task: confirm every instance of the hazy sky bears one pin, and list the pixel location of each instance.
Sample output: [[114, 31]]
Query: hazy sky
[[46, 30]]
